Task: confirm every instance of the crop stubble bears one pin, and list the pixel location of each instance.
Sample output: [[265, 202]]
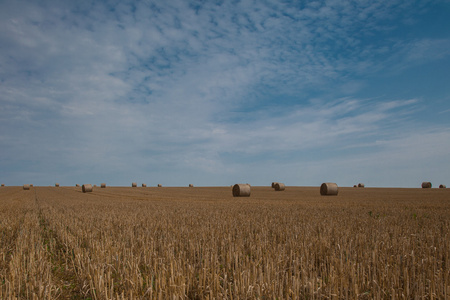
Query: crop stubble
[[201, 243]]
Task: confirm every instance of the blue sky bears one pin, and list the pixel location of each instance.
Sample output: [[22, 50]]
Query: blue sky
[[222, 92]]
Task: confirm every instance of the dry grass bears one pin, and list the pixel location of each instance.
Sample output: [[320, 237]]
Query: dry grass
[[202, 243]]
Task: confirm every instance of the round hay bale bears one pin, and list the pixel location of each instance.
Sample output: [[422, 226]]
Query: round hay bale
[[442, 186], [26, 186], [355, 185], [191, 185], [329, 189], [87, 188], [31, 185], [159, 185], [273, 184], [56, 184], [133, 184], [144, 185], [103, 185], [361, 185], [77, 185], [241, 190], [426, 185], [3, 184], [280, 186]]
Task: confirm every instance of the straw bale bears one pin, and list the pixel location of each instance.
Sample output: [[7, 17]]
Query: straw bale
[[134, 184], [56, 184], [191, 185], [273, 184], [442, 186], [361, 185], [329, 189], [159, 185], [144, 185], [87, 188], [426, 185], [280, 186], [26, 186], [241, 190], [103, 185]]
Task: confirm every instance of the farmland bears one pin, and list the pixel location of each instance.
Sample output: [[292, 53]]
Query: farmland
[[201, 243]]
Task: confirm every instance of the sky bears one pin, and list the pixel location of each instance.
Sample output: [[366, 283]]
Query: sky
[[214, 93]]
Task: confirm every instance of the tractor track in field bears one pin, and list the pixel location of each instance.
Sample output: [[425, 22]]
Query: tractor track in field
[[64, 273], [8, 236], [9, 233]]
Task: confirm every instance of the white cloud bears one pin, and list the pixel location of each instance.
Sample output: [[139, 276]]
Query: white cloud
[[420, 51]]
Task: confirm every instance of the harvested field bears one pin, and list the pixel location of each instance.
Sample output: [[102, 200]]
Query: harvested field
[[123, 242]]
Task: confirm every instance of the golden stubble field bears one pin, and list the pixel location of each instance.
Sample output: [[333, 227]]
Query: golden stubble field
[[201, 243]]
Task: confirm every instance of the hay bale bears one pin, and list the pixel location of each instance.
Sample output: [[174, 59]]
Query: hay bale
[[31, 185], [273, 184], [77, 185], [329, 189], [87, 188], [159, 185], [442, 186], [133, 184], [361, 185], [26, 186], [56, 184], [280, 186], [3, 184], [426, 185], [144, 185], [241, 190], [355, 185], [191, 185], [103, 185]]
